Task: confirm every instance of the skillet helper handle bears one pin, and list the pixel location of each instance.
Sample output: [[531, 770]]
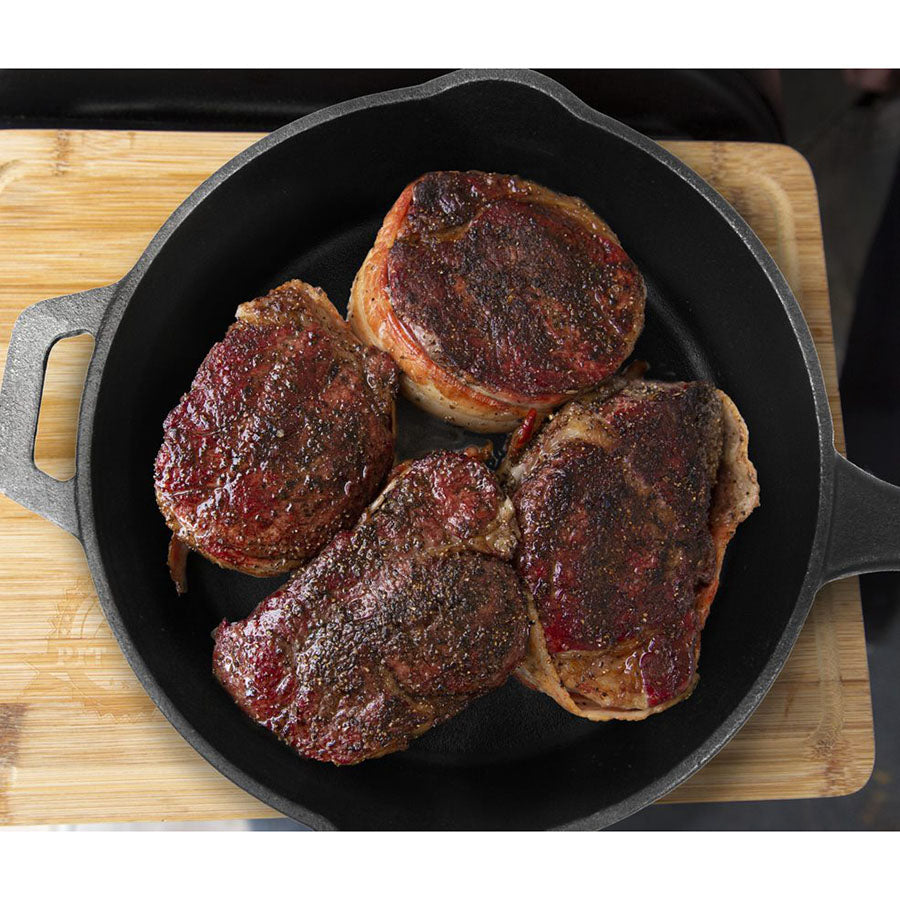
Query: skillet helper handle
[[35, 333], [865, 524]]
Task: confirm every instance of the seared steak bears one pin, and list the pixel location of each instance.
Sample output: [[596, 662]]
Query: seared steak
[[626, 501], [284, 437], [495, 296], [395, 627]]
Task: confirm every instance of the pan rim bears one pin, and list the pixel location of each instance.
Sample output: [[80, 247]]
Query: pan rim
[[577, 108]]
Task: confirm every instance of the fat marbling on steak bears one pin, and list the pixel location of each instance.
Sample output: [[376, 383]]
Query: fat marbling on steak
[[395, 627], [626, 501], [495, 296], [285, 435]]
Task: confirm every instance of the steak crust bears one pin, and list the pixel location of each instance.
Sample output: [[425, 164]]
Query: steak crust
[[285, 435], [395, 627], [626, 501], [495, 296]]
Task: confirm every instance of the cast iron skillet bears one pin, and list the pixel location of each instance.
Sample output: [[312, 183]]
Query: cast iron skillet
[[306, 201]]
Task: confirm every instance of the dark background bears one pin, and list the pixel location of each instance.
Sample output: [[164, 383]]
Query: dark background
[[848, 127]]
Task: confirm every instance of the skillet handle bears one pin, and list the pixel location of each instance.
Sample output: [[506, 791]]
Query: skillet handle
[[36, 331], [865, 524]]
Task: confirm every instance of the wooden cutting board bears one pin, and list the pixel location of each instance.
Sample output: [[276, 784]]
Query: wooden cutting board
[[79, 739]]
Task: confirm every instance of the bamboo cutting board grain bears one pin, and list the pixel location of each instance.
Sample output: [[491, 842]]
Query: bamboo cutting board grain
[[79, 739]]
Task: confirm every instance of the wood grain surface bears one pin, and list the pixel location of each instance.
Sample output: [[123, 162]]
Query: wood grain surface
[[79, 739]]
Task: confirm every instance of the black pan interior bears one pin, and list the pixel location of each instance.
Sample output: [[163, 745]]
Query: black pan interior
[[309, 207]]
